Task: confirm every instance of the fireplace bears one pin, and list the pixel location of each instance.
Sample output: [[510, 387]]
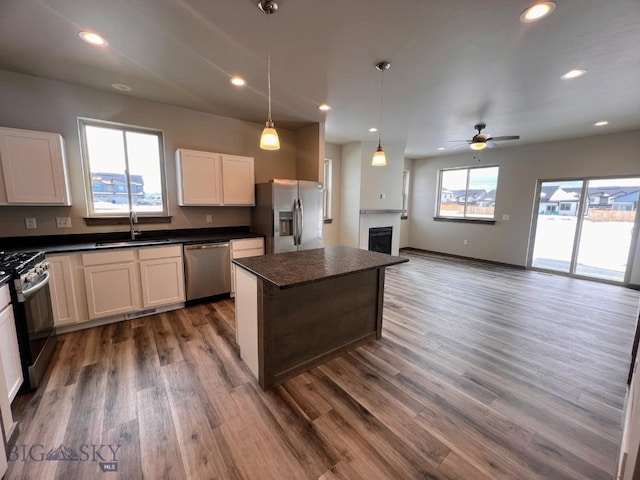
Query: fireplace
[[380, 239]]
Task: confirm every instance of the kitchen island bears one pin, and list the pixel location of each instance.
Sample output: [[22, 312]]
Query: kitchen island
[[297, 310]]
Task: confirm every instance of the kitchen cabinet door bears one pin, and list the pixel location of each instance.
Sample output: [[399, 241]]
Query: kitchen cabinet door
[[246, 247], [63, 291], [199, 176], [33, 168], [162, 276], [112, 283], [9, 353], [3, 460], [238, 180]]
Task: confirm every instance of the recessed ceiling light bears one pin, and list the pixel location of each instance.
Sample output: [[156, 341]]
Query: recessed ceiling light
[[237, 81], [601, 123], [537, 11], [93, 38], [373, 129], [121, 86], [441, 148], [324, 107], [575, 73]]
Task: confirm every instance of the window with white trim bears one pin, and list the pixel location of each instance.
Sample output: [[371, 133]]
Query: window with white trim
[[405, 192], [124, 169], [328, 165], [468, 192]]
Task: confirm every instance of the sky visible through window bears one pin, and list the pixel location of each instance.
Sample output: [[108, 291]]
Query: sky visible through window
[[484, 178]]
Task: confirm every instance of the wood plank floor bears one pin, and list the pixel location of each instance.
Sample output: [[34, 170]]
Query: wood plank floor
[[483, 373]]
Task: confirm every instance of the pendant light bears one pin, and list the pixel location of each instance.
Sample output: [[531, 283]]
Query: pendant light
[[269, 139], [379, 158]]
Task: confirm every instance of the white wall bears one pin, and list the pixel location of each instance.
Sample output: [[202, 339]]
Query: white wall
[[616, 154], [377, 181], [350, 194], [38, 104], [331, 231]]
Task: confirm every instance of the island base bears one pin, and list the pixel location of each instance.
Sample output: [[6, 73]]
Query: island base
[[284, 332]]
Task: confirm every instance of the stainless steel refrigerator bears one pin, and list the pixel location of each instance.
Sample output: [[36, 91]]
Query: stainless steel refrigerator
[[289, 214]]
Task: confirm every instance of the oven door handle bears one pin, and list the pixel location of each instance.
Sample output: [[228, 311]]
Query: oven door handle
[[28, 291]]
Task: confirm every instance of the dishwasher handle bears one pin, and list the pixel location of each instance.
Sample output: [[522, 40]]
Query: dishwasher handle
[[206, 246]]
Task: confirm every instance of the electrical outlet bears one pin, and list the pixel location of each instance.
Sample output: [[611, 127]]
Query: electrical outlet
[[209, 219], [30, 223], [465, 242], [63, 222], [506, 217]]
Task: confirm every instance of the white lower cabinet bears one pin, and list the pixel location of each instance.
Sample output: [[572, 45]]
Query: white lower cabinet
[[66, 299], [3, 460], [112, 282], [9, 352], [121, 281], [162, 275], [242, 248]]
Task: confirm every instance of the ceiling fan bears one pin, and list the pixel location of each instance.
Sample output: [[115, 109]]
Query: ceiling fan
[[481, 140]]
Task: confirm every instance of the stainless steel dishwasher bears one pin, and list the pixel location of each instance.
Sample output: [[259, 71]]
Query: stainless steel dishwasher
[[207, 269]]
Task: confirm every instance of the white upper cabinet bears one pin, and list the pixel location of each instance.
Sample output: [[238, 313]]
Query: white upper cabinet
[[33, 168], [199, 177], [207, 178], [238, 180]]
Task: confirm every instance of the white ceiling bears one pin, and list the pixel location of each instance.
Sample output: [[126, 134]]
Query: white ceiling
[[453, 63]]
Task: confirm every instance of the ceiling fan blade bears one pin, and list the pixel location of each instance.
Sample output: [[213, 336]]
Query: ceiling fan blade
[[449, 141], [507, 137]]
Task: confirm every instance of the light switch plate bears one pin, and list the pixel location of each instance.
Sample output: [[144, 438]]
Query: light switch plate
[[30, 223], [63, 222], [506, 217]]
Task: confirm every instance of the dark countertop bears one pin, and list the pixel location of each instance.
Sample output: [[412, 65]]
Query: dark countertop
[[4, 278], [291, 269], [102, 241]]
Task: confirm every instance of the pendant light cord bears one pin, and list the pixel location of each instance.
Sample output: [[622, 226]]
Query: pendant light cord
[[380, 117], [269, 66]]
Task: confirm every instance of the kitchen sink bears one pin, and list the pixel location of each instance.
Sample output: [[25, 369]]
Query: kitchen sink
[[131, 243]]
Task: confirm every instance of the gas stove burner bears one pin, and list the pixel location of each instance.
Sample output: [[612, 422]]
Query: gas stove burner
[[17, 262]]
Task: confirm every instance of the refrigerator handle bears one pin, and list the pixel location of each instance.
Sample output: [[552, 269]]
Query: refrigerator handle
[[300, 220], [295, 221]]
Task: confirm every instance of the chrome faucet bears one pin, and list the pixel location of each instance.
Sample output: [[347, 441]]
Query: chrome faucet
[[133, 219]]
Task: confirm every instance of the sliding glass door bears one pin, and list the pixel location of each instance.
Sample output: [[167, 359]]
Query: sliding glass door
[[586, 227]]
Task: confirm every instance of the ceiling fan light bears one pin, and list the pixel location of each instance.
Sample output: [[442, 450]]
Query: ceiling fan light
[[269, 139], [478, 145], [379, 158]]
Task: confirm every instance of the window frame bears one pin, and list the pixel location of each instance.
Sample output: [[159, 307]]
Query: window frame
[[464, 217], [86, 169], [406, 179], [327, 190]]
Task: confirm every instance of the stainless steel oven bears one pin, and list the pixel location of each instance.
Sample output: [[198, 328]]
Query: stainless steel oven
[[32, 310]]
